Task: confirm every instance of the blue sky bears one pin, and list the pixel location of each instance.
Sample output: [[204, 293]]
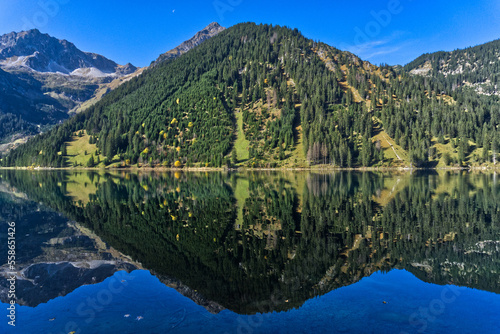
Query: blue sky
[[388, 31]]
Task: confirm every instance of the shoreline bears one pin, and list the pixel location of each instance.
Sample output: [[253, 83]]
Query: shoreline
[[246, 169]]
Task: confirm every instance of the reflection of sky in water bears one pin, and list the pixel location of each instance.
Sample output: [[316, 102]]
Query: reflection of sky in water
[[410, 306]]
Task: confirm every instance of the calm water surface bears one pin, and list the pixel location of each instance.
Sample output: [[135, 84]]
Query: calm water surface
[[251, 252]]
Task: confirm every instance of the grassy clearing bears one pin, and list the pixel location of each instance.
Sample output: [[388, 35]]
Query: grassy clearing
[[241, 144], [393, 153], [296, 157], [443, 149], [76, 148], [474, 158]]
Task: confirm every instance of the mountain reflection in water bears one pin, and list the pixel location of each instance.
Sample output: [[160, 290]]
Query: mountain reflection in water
[[249, 242]]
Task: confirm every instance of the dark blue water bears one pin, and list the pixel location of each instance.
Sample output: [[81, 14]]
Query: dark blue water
[[411, 306]]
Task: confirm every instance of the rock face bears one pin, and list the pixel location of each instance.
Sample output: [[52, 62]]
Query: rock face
[[43, 53], [208, 32], [24, 108], [24, 98]]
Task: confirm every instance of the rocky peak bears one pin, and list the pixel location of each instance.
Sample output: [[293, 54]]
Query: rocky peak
[[208, 32], [213, 27]]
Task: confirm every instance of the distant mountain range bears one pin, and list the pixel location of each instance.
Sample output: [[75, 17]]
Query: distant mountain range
[[39, 52], [263, 96]]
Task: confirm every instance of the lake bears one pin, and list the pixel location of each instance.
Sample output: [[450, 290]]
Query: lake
[[261, 252]]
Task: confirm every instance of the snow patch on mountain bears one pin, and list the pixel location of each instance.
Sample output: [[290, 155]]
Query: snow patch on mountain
[[13, 61], [57, 68], [91, 72]]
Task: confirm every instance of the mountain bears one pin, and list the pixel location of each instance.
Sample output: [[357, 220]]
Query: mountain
[[43, 53], [66, 74], [209, 31], [54, 75], [477, 67], [24, 108], [266, 96], [42, 79]]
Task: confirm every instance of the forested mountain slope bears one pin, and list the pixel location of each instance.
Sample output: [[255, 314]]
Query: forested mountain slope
[[64, 78], [477, 67], [286, 101], [208, 32]]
